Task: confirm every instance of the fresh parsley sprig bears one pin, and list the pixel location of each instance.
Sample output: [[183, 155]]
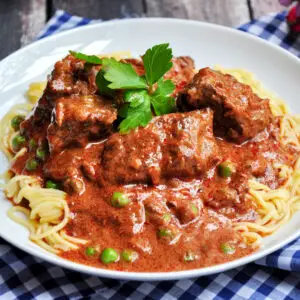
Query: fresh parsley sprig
[[136, 111], [143, 96], [157, 62], [121, 75], [91, 59]]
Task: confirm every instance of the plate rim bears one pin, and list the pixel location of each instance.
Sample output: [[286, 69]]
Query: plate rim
[[148, 276], [143, 20]]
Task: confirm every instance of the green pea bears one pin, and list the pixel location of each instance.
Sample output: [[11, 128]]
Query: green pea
[[32, 144], [167, 217], [129, 255], [165, 233], [225, 169], [51, 185], [227, 249], [17, 142], [109, 255], [119, 199], [194, 209], [90, 251], [16, 121], [189, 256], [41, 154], [31, 164]]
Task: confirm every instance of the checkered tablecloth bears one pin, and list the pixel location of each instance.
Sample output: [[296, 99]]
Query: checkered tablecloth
[[276, 276]]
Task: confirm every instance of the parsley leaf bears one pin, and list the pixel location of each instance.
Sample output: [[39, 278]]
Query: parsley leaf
[[142, 97], [161, 100], [134, 98], [139, 115], [164, 88], [122, 112], [122, 75], [157, 62], [102, 85], [91, 59]]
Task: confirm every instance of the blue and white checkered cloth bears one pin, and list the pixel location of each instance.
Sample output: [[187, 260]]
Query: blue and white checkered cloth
[[276, 276]]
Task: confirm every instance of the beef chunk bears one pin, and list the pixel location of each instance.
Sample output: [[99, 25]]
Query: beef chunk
[[182, 72], [158, 213], [183, 208], [239, 113], [72, 76], [36, 123], [69, 113], [67, 167], [89, 75], [68, 77], [228, 197], [174, 145], [63, 165], [78, 119], [65, 78]]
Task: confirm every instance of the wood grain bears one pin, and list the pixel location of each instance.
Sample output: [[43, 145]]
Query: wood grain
[[20, 21], [100, 9], [225, 12], [9, 22], [263, 7], [33, 19]]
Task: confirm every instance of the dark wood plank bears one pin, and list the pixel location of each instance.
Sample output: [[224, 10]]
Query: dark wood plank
[[9, 18], [261, 8], [225, 12], [100, 9], [20, 21], [33, 19]]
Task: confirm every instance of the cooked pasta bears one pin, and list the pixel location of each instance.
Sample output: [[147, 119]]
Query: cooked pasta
[[46, 216], [275, 207], [185, 178]]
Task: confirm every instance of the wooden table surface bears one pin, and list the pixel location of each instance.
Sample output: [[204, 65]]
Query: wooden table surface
[[21, 20]]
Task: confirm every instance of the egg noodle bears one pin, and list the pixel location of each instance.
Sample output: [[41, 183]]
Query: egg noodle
[[47, 212], [275, 207]]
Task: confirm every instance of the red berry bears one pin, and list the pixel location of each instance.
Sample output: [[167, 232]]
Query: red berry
[[293, 20], [296, 28]]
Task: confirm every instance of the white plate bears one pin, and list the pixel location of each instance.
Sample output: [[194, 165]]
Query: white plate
[[207, 44]]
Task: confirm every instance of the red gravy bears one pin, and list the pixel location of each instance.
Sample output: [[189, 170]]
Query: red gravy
[[169, 170]]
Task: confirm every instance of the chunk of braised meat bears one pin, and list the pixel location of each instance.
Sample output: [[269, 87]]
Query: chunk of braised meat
[[158, 212], [67, 166], [36, 124], [181, 73], [166, 224], [68, 77], [38, 120], [65, 79], [89, 74], [72, 76], [173, 145], [227, 195], [77, 120], [184, 207], [239, 113]]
